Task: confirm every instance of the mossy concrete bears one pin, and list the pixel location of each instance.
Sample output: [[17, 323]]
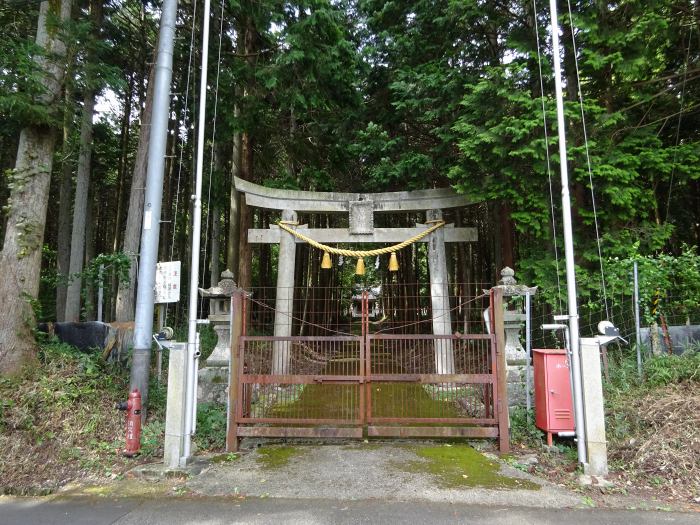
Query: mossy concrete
[[276, 457], [455, 466], [413, 471]]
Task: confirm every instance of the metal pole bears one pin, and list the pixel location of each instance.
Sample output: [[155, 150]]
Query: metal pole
[[568, 239], [528, 353], [637, 324], [190, 400], [148, 257]]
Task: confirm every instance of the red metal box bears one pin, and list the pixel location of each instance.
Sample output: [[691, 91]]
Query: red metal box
[[554, 411]]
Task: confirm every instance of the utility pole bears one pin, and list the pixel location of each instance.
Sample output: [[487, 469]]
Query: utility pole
[[150, 227], [568, 241]]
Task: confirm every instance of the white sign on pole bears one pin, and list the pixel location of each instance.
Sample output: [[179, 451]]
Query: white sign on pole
[[167, 282]]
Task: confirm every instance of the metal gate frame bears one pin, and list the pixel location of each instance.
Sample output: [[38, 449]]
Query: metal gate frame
[[242, 423]]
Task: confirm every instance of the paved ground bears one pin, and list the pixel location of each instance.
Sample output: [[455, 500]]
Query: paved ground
[[126, 511], [365, 471], [348, 483]]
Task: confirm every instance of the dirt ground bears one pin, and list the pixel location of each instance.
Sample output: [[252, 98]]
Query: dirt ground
[[621, 489]]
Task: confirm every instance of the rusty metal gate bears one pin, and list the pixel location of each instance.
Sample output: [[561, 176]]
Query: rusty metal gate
[[374, 384]]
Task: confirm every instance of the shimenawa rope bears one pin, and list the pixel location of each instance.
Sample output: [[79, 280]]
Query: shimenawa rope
[[361, 253]]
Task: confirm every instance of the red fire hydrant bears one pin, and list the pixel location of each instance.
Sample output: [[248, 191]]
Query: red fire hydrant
[[133, 423]]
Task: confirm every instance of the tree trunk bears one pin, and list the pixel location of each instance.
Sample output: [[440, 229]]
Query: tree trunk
[[132, 231], [123, 163], [165, 248], [245, 220], [234, 205], [215, 212], [215, 246], [64, 201], [82, 180], [20, 259], [90, 305], [82, 185]]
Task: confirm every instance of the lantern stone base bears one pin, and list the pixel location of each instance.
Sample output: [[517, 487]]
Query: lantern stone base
[[212, 385], [516, 384]]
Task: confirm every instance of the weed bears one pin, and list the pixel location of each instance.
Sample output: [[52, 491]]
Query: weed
[[588, 501], [152, 439], [513, 462], [523, 429], [225, 458]]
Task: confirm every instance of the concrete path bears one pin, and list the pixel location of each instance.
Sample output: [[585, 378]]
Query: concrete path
[[387, 471], [187, 511]]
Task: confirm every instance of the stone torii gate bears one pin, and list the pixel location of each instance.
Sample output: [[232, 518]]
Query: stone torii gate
[[361, 208]]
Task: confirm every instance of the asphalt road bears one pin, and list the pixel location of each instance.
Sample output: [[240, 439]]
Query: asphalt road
[[215, 511]]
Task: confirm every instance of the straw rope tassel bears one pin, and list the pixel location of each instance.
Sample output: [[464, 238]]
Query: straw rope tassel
[[326, 262], [360, 268], [393, 263]]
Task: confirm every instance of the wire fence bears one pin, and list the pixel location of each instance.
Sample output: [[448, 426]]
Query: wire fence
[[675, 318], [394, 308]]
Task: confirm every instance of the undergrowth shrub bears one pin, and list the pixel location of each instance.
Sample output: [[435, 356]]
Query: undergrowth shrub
[[211, 426], [653, 423], [58, 420], [668, 369]]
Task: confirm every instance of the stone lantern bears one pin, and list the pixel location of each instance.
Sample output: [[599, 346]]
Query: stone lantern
[[213, 378], [513, 320]]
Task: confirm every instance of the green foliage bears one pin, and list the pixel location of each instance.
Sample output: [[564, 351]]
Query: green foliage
[[207, 341], [657, 371], [672, 369], [211, 426], [21, 87], [674, 279]]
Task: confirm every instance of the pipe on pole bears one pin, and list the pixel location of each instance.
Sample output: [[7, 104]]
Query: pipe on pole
[[150, 226], [528, 352], [568, 241], [192, 339]]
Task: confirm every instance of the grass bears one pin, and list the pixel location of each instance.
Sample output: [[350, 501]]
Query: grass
[[460, 466]]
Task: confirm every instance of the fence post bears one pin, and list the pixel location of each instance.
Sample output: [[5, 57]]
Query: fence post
[[501, 369], [637, 324], [232, 439]]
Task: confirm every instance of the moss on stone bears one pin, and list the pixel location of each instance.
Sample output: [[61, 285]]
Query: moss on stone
[[460, 466], [274, 457]]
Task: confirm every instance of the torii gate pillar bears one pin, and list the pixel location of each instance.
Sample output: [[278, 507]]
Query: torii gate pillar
[[440, 297], [284, 304]]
